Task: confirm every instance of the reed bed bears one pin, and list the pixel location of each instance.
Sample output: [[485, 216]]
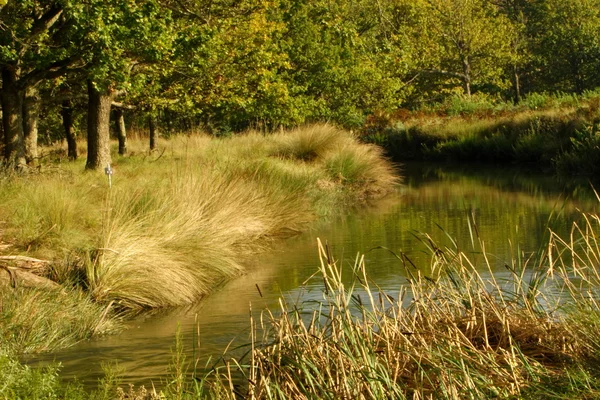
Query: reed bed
[[458, 331]]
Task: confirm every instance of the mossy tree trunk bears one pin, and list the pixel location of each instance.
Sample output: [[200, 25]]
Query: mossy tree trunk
[[98, 127]]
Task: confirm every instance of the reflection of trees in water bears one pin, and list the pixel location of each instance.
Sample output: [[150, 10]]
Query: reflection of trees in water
[[508, 220], [506, 178]]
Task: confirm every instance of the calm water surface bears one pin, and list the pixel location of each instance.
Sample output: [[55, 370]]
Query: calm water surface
[[512, 211]]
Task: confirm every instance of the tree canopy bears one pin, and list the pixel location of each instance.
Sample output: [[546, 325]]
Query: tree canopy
[[226, 65]]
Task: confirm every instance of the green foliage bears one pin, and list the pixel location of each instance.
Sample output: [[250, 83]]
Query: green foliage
[[226, 66], [535, 101], [494, 148], [463, 105], [584, 155], [565, 43], [23, 382]]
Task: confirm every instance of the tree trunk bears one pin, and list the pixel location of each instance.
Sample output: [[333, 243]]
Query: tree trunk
[[1, 129], [31, 111], [467, 76], [98, 129], [12, 119], [578, 81], [516, 85], [121, 132], [168, 122], [67, 120], [153, 132]]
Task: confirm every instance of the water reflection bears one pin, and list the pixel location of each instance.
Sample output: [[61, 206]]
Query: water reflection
[[511, 212]]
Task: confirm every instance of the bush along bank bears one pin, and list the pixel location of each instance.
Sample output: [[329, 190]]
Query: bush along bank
[[561, 137], [171, 228]]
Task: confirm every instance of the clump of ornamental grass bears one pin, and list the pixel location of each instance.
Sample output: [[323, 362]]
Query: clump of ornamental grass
[[362, 167], [36, 320], [310, 142], [180, 220], [185, 237]]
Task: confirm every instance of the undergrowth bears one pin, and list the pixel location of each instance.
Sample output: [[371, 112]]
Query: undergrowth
[[548, 132]]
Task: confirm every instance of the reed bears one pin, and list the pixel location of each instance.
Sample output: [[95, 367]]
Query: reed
[[455, 331]]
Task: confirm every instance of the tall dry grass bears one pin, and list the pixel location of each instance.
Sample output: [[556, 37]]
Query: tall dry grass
[[458, 331], [178, 221], [194, 234]]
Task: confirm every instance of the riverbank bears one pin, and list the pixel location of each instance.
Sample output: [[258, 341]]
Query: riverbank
[[442, 251], [171, 227], [453, 331], [556, 133]]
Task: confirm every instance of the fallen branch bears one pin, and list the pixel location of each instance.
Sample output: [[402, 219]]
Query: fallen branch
[[23, 259], [16, 277]]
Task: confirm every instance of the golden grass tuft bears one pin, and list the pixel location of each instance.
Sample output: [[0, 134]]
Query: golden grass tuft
[[310, 142], [180, 220], [192, 237], [362, 167]]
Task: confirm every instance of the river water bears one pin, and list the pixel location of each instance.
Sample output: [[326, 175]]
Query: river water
[[511, 208]]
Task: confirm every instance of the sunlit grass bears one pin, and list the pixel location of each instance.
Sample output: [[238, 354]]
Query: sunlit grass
[[178, 221], [36, 320], [455, 331]]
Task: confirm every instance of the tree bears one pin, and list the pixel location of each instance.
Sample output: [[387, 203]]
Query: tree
[[31, 50], [517, 11], [567, 43], [123, 36], [460, 41], [340, 58]]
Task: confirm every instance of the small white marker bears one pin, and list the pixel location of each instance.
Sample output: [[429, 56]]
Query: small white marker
[[108, 171]]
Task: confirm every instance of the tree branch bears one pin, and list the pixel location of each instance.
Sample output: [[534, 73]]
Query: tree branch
[[46, 21], [123, 106], [54, 70], [40, 26], [447, 73]]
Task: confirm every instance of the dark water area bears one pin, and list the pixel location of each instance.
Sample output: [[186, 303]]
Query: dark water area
[[510, 210]]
